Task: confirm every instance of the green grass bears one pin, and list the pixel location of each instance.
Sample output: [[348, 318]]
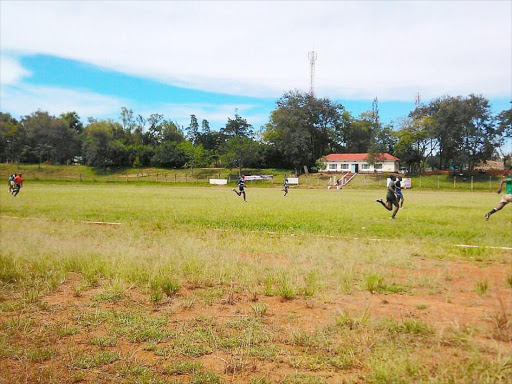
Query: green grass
[[196, 286], [185, 177]]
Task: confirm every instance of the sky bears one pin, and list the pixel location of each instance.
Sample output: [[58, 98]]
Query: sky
[[214, 58]]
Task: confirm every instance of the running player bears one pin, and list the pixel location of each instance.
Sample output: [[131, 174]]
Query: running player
[[11, 182], [398, 185], [241, 187], [18, 183], [391, 197], [286, 186], [507, 197]]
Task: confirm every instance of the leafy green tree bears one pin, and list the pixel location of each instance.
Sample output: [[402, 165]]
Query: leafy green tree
[[241, 151], [193, 130], [55, 134], [302, 128], [97, 144], [73, 121], [12, 138], [169, 155]]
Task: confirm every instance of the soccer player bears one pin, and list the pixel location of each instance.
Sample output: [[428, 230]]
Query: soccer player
[[507, 197], [286, 186], [18, 183], [398, 191], [11, 182], [241, 187], [391, 197]]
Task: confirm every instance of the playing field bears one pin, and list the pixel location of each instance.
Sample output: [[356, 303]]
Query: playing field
[[194, 285]]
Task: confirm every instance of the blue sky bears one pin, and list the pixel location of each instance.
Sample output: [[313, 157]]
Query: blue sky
[[209, 58], [147, 96]]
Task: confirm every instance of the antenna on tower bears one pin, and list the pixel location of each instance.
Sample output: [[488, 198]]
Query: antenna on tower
[[417, 99], [312, 58]]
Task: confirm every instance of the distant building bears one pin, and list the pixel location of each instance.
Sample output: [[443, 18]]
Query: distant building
[[357, 163]]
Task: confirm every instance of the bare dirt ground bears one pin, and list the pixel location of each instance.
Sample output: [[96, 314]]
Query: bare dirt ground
[[457, 305]]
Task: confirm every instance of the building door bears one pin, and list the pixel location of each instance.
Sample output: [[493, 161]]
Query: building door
[[354, 168]]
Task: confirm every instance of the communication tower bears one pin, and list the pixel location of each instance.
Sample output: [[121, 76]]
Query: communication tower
[[312, 58], [417, 99]]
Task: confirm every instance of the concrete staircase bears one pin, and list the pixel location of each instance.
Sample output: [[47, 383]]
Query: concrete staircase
[[343, 180]]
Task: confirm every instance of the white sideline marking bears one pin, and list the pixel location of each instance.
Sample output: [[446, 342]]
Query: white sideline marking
[[374, 239], [69, 221], [482, 246]]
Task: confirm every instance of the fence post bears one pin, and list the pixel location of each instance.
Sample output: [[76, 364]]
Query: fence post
[[157, 177], [175, 177], [126, 177], [437, 181], [420, 181], [471, 182], [80, 177], [454, 181], [186, 178], [490, 184]]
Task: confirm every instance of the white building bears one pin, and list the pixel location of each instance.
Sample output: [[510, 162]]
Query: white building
[[357, 163]]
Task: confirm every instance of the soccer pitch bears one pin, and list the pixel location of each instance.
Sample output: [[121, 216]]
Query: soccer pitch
[[194, 285]]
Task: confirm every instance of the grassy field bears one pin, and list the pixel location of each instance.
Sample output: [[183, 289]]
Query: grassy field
[[195, 286], [201, 176]]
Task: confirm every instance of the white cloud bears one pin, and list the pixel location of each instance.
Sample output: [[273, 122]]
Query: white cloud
[[23, 99], [365, 49], [11, 72]]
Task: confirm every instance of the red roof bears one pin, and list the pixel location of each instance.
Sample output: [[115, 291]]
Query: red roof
[[359, 157]]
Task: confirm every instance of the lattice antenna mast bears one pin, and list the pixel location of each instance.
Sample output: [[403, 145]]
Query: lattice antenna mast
[[312, 58], [417, 99]]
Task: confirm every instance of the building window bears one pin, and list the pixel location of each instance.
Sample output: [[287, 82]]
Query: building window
[[344, 166], [332, 166], [378, 166], [365, 166]]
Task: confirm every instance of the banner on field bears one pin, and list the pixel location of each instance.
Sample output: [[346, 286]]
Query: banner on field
[[219, 181], [293, 180], [258, 177], [406, 183]]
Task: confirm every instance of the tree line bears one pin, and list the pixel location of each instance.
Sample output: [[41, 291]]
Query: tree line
[[449, 132]]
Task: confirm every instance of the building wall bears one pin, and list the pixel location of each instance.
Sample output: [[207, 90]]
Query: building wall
[[387, 166]]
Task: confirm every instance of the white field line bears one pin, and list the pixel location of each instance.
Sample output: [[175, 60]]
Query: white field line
[[370, 239], [69, 221], [266, 232], [482, 246]]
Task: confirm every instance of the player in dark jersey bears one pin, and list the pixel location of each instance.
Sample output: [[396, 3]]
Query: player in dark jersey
[[398, 191], [241, 187], [286, 186], [391, 197]]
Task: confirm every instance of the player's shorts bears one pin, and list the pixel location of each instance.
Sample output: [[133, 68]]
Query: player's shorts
[[399, 193], [240, 188], [506, 199], [391, 198]]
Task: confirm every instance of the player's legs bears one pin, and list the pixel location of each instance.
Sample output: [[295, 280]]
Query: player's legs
[[385, 205], [395, 203], [499, 207], [234, 190], [243, 193]]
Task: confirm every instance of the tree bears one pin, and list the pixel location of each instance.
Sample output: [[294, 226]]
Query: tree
[[239, 152], [302, 128], [97, 144], [193, 130], [43, 130], [73, 121], [127, 119], [12, 137]]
